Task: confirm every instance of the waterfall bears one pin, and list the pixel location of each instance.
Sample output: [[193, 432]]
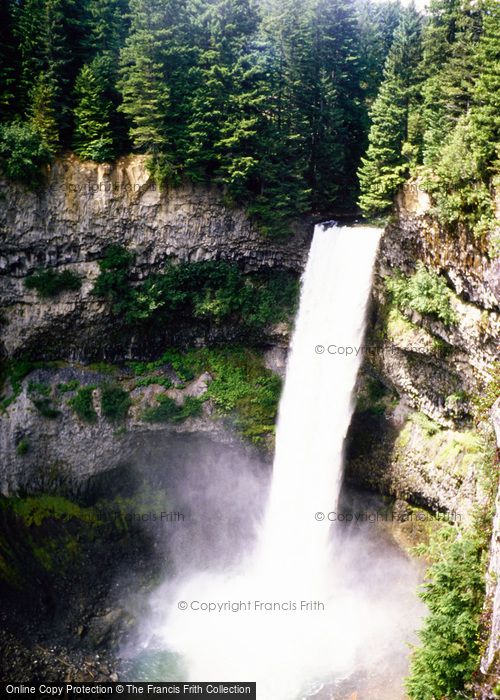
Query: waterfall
[[286, 617], [316, 404]]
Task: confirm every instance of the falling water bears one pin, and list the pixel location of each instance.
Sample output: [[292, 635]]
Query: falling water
[[284, 645], [316, 405]]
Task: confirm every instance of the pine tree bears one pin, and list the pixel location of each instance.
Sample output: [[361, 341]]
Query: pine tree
[[93, 136], [335, 113], [30, 31], [448, 68], [108, 24], [376, 25], [9, 61], [385, 165], [224, 29], [42, 111], [485, 113], [153, 69]]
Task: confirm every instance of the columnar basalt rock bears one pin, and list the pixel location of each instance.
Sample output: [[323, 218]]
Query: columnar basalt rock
[[83, 208]]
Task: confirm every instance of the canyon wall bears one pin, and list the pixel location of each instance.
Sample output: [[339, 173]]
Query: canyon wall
[[84, 208]]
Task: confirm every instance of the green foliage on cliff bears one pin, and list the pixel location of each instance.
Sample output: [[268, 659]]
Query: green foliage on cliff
[[454, 594], [41, 396], [424, 291], [168, 411], [83, 404], [49, 283], [115, 402], [241, 388], [212, 291], [23, 152]]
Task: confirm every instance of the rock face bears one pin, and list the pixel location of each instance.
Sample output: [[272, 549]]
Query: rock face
[[84, 208], [49, 453], [490, 663], [412, 434], [426, 368]]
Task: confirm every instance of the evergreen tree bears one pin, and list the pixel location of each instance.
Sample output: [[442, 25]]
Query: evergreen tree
[[376, 25], [154, 81], [485, 114], [93, 137], [108, 24], [30, 31], [224, 28], [335, 112], [386, 162], [448, 69], [9, 61], [42, 111]]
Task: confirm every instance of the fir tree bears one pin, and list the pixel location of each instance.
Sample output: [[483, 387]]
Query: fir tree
[[93, 135], [9, 61], [448, 68], [385, 165], [42, 111], [485, 114]]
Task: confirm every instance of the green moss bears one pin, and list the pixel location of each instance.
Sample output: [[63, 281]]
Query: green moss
[[115, 402], [454, 452], [399, 329], [426, 424], [40, 395], [83, 404], [242, 389], [50, 283], [35, 509], [154, 379], [490, 392]]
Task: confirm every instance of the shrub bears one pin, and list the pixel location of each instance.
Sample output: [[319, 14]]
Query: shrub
[[40, 395], [454, 594], [241, 387], [425, 292], [49, 283], [459, 184], [22, 447], [72, 385], [23, 152], [83, 405], [215, 291], [115, 402], [168, 411]]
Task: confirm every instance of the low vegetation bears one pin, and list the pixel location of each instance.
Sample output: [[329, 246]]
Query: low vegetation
[[241, 388], [115, 402], [454, 593], [168, 411], [424, 292], [211, 291], [83, 404], [23, 152]]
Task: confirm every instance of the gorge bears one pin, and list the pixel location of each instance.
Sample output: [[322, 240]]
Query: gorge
[[387, 440], [249, 346]]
